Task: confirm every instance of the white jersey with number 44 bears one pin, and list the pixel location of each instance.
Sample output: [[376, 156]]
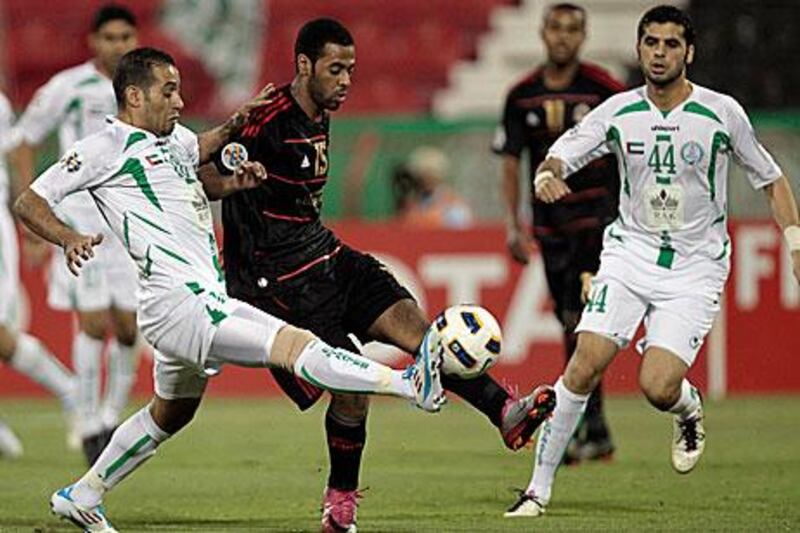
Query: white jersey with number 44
[[673, 168]]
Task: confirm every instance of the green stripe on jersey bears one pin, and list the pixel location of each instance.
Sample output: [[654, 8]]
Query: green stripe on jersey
[[134, 167], [720, 141], [636, 107], [130, 452], [612, 135], [216, 315], [89, 81], [666, 256], [173, 255], [700, 109], [134, 138], [126, 236], [149, 222], [195, 287]]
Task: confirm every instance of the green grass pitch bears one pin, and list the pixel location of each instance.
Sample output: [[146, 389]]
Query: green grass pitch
[[258, 465]]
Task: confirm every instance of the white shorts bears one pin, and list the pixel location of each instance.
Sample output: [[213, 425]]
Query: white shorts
[[9, 270], [108, 280], [202, 333], [678, 305]]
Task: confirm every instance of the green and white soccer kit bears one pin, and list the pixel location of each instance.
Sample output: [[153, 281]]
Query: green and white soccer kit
[[75, 102], [148, 192], [9, 253], [666, 258]]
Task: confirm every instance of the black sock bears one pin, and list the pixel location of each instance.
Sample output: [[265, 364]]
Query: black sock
[[483, 393], [345, 444]]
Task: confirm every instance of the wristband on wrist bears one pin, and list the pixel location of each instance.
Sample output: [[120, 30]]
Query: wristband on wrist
[[792, 236]]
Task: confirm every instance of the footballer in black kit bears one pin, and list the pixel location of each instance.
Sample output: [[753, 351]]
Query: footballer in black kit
[[538, 109], [280, 258]]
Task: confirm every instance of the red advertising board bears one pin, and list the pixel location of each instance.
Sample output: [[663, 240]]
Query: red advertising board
[[755, 348]]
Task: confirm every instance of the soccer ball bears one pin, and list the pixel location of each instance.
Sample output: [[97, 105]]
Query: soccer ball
[[471, 339]]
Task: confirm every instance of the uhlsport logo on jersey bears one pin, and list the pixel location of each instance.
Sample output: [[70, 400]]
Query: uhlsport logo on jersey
[[233, 155], [71, 162], [691, 153]]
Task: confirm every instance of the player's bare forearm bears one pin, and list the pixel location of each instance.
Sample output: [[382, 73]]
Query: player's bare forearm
[[214, 139], [549, 185], [248, 175], [38, 216], [22, 160], [510, 191], [782, 203], [552, 164]]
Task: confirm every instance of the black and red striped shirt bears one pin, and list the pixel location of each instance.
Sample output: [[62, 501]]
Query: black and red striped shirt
[[275, 230], [534, 117]]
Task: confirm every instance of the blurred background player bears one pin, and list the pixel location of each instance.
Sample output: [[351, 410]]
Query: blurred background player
[[538, 110], [422, 195], [75, 102], [281, 259], [21, 351], [666, 258]]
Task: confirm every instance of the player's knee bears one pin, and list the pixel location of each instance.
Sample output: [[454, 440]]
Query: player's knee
[[659, 390], [126, 335], [288, 345], [350, 407], [583, 371], [8, 344], [173, 415]]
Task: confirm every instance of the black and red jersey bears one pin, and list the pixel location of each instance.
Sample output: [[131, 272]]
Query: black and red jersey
[[274, 231], [534, 117]]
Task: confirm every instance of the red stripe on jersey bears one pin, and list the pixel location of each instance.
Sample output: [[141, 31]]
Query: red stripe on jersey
[[602, 76], [265, 116], [260, 112], [569, 98], [305, 141], [289, 218], [300, 270], [586, 194], [293, 181]]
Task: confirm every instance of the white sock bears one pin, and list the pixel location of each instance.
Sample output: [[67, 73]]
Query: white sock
[[120, 377], [35, 361], [133, 443], [86, 354], [339, 370], [553, 439], [688, 402]]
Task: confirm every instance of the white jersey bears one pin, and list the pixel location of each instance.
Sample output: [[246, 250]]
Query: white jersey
[[673, 169], [6, 118], [147, 190], [74, 102]]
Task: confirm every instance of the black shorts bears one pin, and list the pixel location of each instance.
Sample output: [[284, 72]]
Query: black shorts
[[334, 298], [565, 257]]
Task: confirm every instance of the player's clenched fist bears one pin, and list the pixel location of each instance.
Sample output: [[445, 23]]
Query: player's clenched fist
[[549, 188], [249, 175], [79, 249]]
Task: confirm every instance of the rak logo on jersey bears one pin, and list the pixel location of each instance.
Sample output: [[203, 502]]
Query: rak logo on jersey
[[71, 162], [691, 153]]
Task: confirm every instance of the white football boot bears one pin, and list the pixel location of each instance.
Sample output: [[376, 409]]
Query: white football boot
[[424, 375], [527, 505], [89, 520], [688, 441]]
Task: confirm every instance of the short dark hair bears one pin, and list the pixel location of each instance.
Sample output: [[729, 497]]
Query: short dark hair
[[136, 68], [314, 35], [110, 12], [565, 6], [663, 14]]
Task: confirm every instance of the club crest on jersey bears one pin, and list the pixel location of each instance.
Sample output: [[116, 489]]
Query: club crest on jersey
[[233, 155], [71, 162], [691, 153]]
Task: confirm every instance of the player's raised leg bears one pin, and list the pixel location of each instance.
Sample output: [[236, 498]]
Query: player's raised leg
[[584, 370], [662, 379]]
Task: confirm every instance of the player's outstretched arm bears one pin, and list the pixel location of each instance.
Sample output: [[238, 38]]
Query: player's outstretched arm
[[36, 214], [212, 140], [248, 175], [784, 211], [549, 182]]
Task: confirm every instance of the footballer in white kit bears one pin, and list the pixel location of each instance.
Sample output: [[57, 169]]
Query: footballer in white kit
[[18, 349], [665, 260], [74, 103], [141, 172]]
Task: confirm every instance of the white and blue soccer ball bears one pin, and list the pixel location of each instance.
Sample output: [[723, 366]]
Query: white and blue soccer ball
[[471, 339]]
